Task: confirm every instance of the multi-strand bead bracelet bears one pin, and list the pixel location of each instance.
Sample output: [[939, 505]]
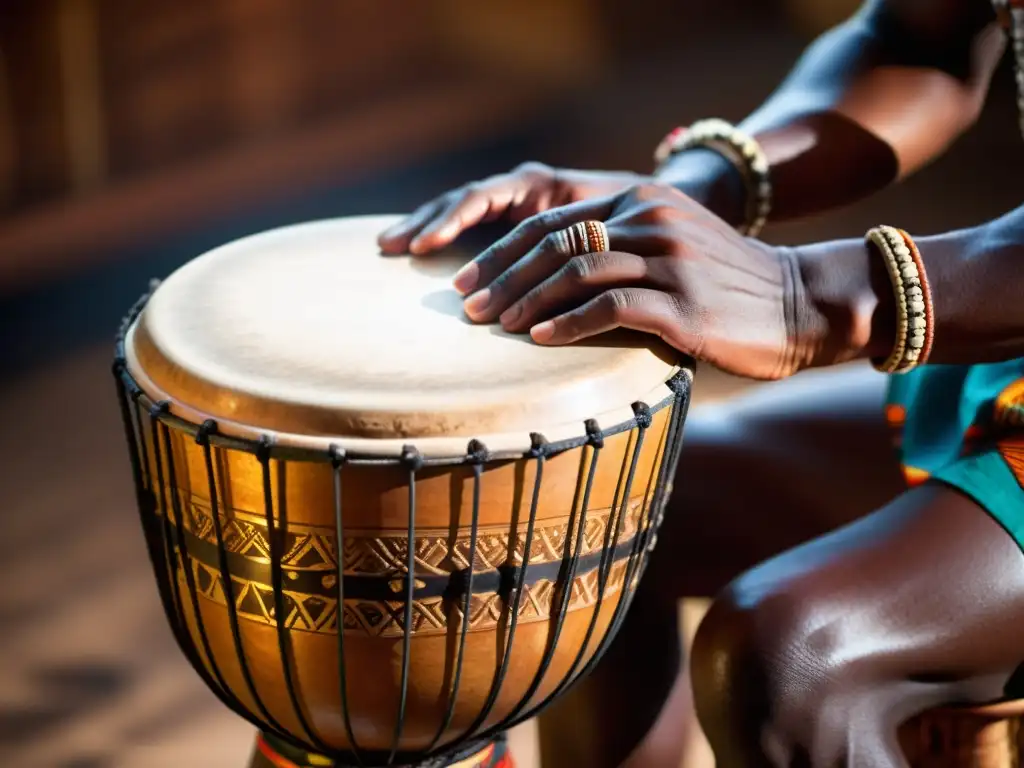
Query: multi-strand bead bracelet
[[741, 150], [914, 314]]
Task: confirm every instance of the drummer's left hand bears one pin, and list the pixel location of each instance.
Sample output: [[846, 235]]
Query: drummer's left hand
[[674, 269]]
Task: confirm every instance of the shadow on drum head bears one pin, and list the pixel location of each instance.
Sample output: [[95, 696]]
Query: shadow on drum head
[[449, 302], [469, 245], [446, 302]]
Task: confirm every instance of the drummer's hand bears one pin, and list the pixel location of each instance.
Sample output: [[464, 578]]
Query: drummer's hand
[[674, 270], [528, 190]]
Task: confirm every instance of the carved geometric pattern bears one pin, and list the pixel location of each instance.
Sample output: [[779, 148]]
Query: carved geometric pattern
[[308, 548], [317, 613]]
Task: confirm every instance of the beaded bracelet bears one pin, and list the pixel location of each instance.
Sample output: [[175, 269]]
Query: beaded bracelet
[[914, 316], [741, 150]]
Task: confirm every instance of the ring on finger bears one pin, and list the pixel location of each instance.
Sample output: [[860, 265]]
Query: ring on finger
[[584, 237]]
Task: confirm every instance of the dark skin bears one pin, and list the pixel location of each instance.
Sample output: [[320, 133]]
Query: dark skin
[[833, 622]]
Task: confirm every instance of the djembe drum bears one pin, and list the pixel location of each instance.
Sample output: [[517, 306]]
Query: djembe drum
[[383, 534]]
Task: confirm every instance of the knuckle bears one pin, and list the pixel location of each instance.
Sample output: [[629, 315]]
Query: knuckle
[[472, 190], [652, 214], [649, 214], [665, 243], [587, 266], [619, 301], [500, 283], [525, 229], [663, 214], [648, 191], [531, 168], [579, 268], [550, 243], [532, 298], [545, 221]]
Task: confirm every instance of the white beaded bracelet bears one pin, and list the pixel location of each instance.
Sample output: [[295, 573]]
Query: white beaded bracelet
[[741, 150], [914, 317]]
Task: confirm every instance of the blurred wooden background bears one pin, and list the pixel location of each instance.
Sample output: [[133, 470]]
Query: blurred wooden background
[[123, 118]]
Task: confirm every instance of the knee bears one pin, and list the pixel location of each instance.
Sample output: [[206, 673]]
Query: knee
[[776, 680]]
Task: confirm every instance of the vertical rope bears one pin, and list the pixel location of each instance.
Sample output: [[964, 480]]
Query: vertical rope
[[538, 452], [413, 461], [277, 585], [208, 428], [186, 563], [337, 462], [176, 615], [595, 444], [608, 553], [477, 455]]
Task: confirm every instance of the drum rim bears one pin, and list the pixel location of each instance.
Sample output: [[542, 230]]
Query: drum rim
[[434, 450]]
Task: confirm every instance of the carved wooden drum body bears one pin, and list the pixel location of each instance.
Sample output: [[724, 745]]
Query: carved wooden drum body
[[380, 532]]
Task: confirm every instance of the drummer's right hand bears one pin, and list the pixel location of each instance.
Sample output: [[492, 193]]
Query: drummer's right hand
[[517, 195]]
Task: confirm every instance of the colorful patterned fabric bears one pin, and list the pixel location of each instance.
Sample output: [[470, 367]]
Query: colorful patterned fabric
[[964, 426], [271, 753]]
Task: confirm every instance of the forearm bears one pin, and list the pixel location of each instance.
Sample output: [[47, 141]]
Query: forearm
[[871, 101], [977, 287]]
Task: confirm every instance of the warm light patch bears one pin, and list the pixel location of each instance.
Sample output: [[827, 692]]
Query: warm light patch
[[915, 476], [896, 415]]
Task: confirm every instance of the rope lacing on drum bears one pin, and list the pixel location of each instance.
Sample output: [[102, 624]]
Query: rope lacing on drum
[[337, 454], [678, 383], [538, 446], [206, 429], [338, 458], [476, 452], [263, 446], [159, 408], [412, 458], [642, 414]]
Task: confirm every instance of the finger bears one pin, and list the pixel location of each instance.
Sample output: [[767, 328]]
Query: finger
[[640, 309], [577, 282], [551, 253], [486, 267], [466, 209], [396, 238]]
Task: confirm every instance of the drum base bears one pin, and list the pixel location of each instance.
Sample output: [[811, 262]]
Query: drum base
[[272, 753]]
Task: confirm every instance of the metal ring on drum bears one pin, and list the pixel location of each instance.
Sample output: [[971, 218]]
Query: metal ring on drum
[[380, 533]]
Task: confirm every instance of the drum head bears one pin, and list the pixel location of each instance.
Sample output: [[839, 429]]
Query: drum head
[[309, 330]]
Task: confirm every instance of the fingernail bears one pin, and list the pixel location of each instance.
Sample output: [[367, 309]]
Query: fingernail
[[465, 279], [543, 331], [511, 314], [478, 302], [450, 230], [416, 245]]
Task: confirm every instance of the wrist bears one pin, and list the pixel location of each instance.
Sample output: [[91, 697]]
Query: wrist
[[848, 309], [709, 178]]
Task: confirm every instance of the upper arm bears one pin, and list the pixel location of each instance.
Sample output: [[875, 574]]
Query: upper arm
[[927, 75], [936, 34]]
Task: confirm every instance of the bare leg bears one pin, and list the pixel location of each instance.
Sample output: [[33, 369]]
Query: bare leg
[[815, 657], [751, 474]]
